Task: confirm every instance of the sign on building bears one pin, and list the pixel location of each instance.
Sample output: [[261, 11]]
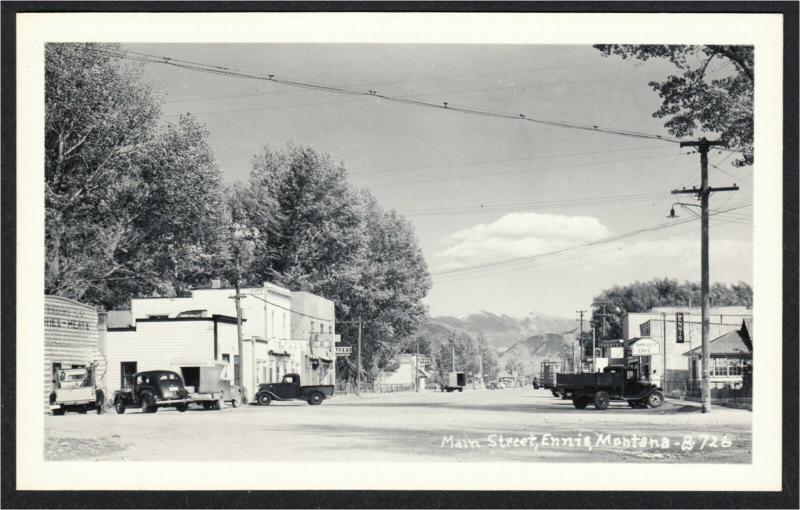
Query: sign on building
[[679, 327], [644, 347], [424, 360], [343, 350]]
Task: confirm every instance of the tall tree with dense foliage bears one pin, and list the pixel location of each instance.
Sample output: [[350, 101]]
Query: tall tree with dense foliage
[[318, 234], [699, 98], [131, 208], [642, 296]]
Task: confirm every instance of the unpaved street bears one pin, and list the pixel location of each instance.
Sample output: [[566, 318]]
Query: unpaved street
[[503, 425]]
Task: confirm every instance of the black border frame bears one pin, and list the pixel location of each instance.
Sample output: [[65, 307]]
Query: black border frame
[[787, 498]]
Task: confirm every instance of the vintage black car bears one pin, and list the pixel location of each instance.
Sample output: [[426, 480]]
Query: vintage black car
[[151, 390], [290, 389]]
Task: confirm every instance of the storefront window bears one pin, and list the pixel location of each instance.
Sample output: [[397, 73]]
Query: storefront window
[[735, 367], [719, 366]]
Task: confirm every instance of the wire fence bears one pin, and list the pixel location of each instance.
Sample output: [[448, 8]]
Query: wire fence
[[728, 393], [349, 388]]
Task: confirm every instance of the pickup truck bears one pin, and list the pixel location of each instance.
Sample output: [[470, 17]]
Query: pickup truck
[[290, 389], [616, 382]]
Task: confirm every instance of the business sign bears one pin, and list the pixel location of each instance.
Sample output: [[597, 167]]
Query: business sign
[[644, 347], [679, 327], [343, 350], [424, 360]]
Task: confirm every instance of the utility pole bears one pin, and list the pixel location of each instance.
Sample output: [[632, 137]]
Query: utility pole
[[594, 359], [580, 341], [452, 354], [664, 351], [416, 368], [703, 193], [240, 342], [358, 369]]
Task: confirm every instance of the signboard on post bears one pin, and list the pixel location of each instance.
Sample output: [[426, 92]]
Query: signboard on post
[[343, 351], [679, 327]]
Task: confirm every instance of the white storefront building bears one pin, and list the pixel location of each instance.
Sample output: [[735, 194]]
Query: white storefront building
[[203, 326]]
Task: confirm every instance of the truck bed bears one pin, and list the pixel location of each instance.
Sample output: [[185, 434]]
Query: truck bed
[[326, 390], [600, 381]]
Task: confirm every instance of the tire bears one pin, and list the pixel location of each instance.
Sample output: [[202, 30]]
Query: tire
[[461, 390], [655, 399], [601, 400], [182, 408], [100, 402], [316, 398], [207, 405], [148, 403], [264, 399], [119, 405], [580, 402], [554, 392], [236, 402], [58, 412]]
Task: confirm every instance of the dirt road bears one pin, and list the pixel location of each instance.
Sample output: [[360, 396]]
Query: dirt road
[[522, 424]]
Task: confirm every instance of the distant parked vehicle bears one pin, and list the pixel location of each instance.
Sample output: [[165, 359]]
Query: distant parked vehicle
[[151, 390], [290, 389], [455, 382], [75, 389], [206, 383], [616, 382], [496, 385]]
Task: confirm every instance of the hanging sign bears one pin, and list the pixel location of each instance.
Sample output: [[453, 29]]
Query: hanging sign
[[679, 327], [343, 350]]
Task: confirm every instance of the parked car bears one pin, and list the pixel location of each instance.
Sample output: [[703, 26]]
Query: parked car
[[151, 390], [290, 389], [75, 389], [496, 385]]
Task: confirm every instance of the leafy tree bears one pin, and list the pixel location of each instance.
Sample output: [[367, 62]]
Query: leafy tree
[[642, 296], [695, 99], [130, 209]]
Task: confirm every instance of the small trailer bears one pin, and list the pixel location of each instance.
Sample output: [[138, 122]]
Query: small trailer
[[455, 382], [75, 389], [207, 383], [615, 382]]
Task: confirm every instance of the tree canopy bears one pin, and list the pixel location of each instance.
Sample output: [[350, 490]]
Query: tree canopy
[[701, 96], [642, 296]]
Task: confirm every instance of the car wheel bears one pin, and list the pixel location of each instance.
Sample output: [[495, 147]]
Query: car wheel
[[316, 398], [655, 399], [601, 400], [58, 412], [580, 402], [148, 403], [236, 402], [119, 406], [263, 399], [182, 408]]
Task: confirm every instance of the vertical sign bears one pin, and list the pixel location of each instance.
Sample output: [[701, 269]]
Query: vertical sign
[[679, 327]]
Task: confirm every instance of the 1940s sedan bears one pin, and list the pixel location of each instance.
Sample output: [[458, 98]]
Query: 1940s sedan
[[151, 390]]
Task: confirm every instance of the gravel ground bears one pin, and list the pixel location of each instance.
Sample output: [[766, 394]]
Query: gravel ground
[[504, 425]]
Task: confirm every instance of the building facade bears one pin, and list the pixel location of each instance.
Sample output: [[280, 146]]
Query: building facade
[[313, 337], [71, 339]]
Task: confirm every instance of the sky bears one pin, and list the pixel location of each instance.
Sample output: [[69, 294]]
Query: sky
[[482, 191]]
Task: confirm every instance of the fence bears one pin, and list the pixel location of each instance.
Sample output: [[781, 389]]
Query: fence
[[345, 388], [731, 394]]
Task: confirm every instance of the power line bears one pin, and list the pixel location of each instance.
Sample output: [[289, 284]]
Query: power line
[[572, 248], [512, 172], [471, 163], [235, 73]]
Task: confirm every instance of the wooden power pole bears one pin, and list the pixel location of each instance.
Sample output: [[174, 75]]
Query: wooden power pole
[[703, 193], [580, 342]]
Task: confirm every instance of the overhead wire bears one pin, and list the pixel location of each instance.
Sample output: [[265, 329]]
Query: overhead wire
[[231, 72]]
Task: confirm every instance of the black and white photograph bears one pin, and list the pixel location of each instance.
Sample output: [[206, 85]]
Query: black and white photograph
[[465, 259]]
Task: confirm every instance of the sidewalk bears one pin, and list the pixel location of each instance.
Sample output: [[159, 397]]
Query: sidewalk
[[696, 404]]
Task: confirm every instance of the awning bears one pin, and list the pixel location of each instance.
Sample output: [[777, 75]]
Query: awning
[[325, 360], [284, 353]]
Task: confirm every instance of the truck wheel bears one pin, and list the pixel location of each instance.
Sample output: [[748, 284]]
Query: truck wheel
[[236, 402], [58, 412], [263, 399], [580, 402], [601, 400], [461, 390], [182, 408], [100, 402], [655, 399], [119, 405], [316, 398]]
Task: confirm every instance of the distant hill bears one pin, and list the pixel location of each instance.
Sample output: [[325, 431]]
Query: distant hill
[[532, 351], [502, 331]]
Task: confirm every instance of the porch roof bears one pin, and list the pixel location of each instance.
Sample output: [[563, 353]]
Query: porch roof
[[731, 343]]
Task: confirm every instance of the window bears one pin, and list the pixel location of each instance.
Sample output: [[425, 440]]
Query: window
[[311, 329], [272, 324], [289, 380], [322, 328], [719, 366]]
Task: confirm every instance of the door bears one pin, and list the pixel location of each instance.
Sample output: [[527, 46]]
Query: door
[[290, 387], [126, 370]]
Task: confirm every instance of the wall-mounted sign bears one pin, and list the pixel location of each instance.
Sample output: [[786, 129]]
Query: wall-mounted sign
[[644, 347], [343, 350], [679, 327]]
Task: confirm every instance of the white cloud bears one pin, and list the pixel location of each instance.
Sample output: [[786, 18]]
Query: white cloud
[[517, 235]]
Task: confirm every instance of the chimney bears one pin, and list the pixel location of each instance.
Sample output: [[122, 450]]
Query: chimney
[[216, 283]]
